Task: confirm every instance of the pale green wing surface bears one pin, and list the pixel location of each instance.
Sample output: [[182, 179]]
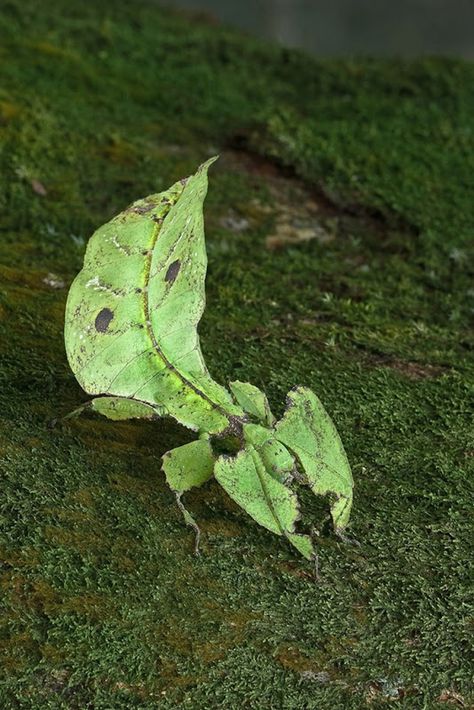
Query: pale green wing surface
[[273, 505], [253, 401], [133, 310], [307, 430]]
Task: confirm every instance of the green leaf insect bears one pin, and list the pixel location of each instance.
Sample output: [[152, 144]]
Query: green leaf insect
[[131, 340]]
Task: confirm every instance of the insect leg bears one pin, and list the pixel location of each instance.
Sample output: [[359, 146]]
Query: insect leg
[[189, 520]]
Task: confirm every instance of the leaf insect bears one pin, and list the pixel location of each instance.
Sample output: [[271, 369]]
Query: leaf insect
[[132, 342]]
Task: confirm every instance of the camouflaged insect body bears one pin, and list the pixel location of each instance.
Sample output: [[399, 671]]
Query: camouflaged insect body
[[131, 340]]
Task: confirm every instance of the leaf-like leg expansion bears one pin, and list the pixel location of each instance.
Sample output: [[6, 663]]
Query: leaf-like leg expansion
[[185, 467], [120, 409], [189, 465], [189, 520]]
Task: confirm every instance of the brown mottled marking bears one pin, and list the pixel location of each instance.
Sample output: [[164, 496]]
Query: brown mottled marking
[[173, 271], [103, 319], [143, 209]]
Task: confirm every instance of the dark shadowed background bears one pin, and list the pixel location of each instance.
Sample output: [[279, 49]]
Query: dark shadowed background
[[343, 27]]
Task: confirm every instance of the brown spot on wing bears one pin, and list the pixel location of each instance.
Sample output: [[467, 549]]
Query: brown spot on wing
[[173, 271], [103, 320]]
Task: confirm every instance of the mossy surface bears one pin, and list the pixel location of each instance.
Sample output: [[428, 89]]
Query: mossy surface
[[104, 604]]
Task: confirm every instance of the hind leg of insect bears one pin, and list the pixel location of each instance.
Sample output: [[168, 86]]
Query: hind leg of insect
[[347, 540]]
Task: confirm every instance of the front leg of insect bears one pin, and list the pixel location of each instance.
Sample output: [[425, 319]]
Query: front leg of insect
[[120, 408], [186, 467], [131, 339]]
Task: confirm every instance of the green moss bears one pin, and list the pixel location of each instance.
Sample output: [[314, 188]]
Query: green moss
[[103, 601]]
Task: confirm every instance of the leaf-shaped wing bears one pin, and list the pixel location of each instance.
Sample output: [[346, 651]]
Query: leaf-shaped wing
[[132, 312], [269, 502], [307, 430]]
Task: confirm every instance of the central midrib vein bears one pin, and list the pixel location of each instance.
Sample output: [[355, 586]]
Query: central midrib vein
[[159, 351]]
